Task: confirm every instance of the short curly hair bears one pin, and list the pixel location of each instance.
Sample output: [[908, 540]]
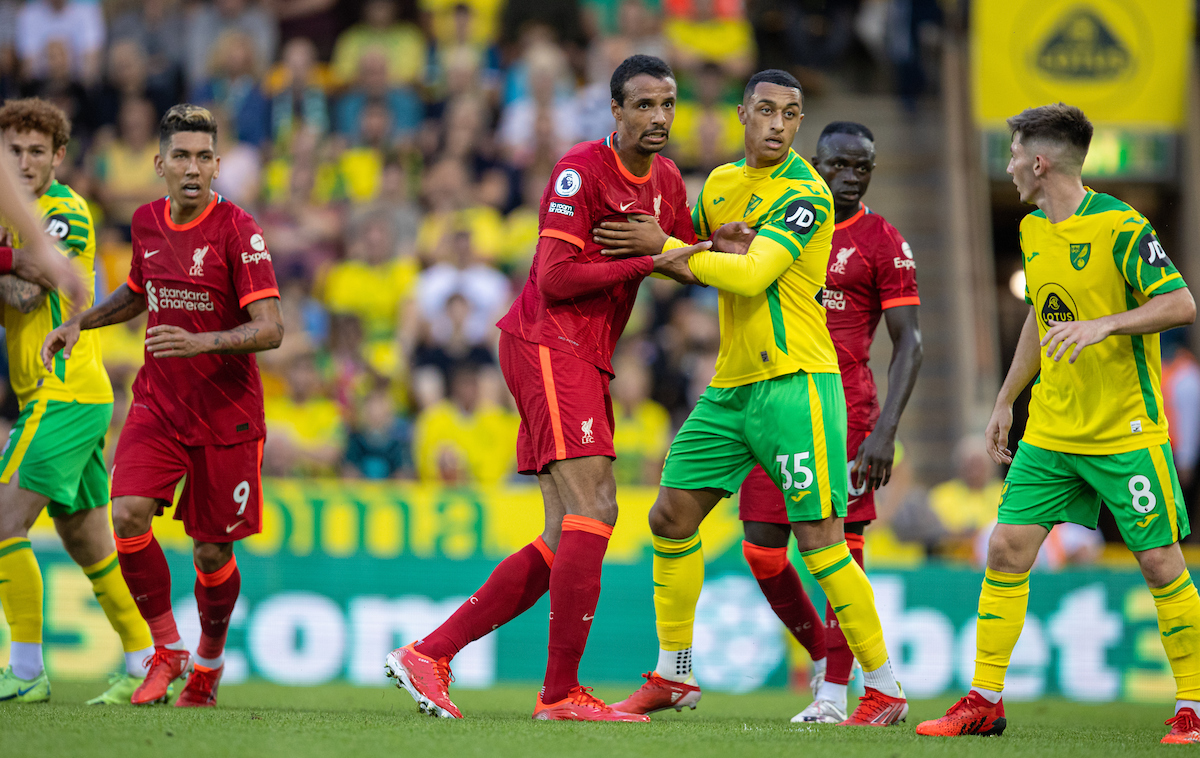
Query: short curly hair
[[33, 114]]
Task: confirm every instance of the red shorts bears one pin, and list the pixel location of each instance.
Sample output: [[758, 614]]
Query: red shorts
[[222, 498], [566, 411], [760, 500]]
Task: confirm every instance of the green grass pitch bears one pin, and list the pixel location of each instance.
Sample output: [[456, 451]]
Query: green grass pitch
[[264, 721]]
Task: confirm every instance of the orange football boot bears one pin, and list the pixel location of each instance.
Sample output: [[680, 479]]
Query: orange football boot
[[201, 688], [166, 666], [1185, 728], [972, 714], [877, 709], [427, 680], [581, 705], [659, 694]]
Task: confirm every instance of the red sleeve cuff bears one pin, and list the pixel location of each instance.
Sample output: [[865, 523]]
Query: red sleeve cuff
[[896, 302], [133, 286], [564, 236], [647, 263], [261, 294], [6, 260]]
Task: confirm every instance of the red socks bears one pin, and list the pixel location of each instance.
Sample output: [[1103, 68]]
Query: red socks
[[149, 579], [574, 592], [781, 585], [514, 586], [216, 594], [841, 660]]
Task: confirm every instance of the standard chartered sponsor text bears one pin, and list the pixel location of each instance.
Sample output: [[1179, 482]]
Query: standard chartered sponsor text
[[161, 298]]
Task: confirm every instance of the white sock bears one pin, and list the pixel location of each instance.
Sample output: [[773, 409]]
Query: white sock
[[176, 645], [819, 667], [1195, 706], [210, 663], [834, 693], [26, 659], [675, 665], [137, 661], [991, 696], [883, 679]]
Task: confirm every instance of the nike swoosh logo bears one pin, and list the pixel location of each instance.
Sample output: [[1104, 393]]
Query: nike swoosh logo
[[1176, 630], [150, 253], [625, 206], [589, 617], [26, 691], [841, 608], [233, 526], [989, 616], [1146, 521]]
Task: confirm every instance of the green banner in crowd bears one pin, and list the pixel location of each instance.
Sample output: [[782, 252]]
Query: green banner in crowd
[[344, 572]]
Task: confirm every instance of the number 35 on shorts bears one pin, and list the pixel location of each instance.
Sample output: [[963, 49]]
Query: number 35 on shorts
[[793, 474]]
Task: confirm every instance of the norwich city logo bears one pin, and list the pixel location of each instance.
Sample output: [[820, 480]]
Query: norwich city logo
[[1057, 304], [1080, 255], [1082, 47], [750, 206]]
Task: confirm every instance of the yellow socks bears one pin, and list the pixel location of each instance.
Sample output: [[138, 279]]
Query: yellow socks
[[1179, 624], [678, 577], [21, 596], [853, 601], [122, 612], [1002, 605]]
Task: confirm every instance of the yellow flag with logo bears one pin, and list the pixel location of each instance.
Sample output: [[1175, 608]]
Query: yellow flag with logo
[[1124, 62]]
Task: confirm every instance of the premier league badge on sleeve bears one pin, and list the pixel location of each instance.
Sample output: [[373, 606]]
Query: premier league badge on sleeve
[[567, 183]]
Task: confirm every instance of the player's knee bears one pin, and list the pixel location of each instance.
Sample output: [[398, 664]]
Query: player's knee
[[128, 519], [1161, 565], [211, 556], [1012, 550], [669, 521]]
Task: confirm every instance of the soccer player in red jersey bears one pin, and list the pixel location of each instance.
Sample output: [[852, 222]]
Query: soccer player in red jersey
[[871, 274], [201, 267], [556, 348]]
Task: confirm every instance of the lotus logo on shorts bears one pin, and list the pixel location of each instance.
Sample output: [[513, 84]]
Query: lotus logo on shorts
[[586, 427]]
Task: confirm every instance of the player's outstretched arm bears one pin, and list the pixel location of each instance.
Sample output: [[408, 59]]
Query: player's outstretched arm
[[37, 261], [20, 294], [746, 275], [1158, 314], [122, 305], [264, 331], [873, 464], [1025, 365]]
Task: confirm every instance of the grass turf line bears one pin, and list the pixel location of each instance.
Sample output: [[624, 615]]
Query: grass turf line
[[265, 721]]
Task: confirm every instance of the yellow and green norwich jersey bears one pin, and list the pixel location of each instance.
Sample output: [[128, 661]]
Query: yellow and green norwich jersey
[[82, 378], [1104, 259], [772, 322]]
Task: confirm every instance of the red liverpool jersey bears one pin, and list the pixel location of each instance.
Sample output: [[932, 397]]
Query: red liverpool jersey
[[200, 276], [590, 185], [871, 269]]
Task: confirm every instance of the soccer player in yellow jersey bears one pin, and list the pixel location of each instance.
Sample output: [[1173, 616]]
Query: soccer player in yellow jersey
[[54, 456], [1100, 288], [776, 400]]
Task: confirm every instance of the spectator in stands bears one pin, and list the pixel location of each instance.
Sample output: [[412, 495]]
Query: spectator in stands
[[372, 84], [593, 103], [298, 94], [1181, 401], [207, 22], [158, 29], [374, 283], [643, 428], [464, 21], [305, 433], [544, 123], [468, 438], [360, 167], [453, 203], [78, 25], [640, 22], [379, 446], [399, 43], [233, 86], [969, 502], [8, 49], [127, 77], [304, 229], [313, 20], [59, 85], [707, 132], [125, 167], [241, 164], [485, 289], [466, 51], [710, 31], [446, 344]]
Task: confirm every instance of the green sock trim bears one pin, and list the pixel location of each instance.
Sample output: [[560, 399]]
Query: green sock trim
[[656, 538], [103, 572], [834, 568], [20, 544], [807, 553], [1003, 583], [680, 554], [1162, 593]]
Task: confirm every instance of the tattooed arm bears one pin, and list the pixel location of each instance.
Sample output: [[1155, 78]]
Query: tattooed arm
[[122, 305], [20, 294], [264, 331]]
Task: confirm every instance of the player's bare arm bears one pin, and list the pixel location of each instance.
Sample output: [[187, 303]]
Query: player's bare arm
[[122, 305], [873, 464], [20, 294], [1158, 314], [1025, 366], [264, 331], [642, 235]]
